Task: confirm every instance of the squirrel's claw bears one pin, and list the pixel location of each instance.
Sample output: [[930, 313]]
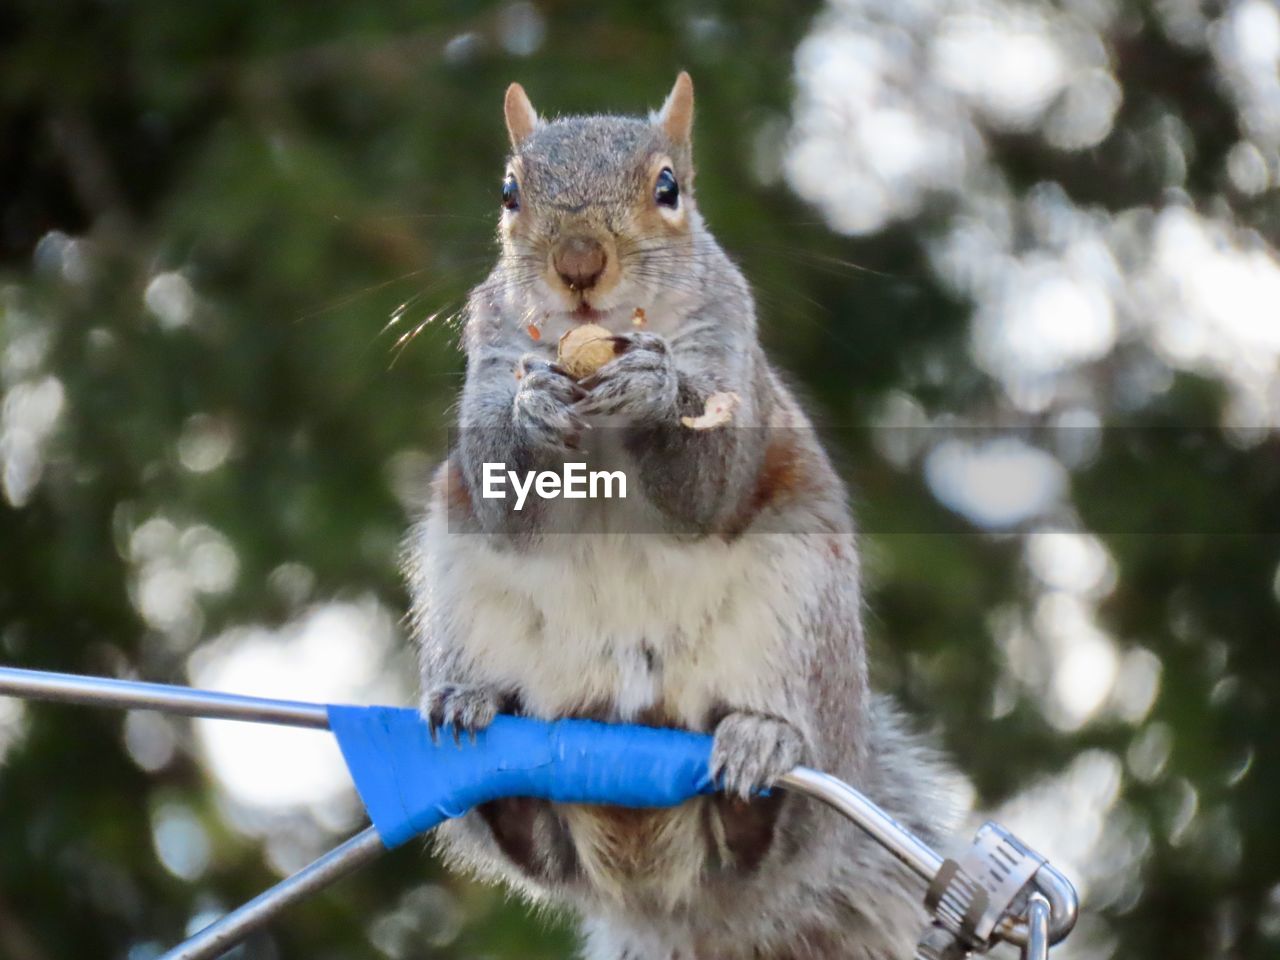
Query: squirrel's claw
[[640, 382], [460, 708], [543, 405], [751, 751], [577, 390]]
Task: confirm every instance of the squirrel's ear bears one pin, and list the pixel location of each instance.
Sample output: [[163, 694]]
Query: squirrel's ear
[[521, 117], [676, 115]]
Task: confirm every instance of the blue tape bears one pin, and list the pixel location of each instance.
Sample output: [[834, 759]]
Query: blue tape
[[410, 784]]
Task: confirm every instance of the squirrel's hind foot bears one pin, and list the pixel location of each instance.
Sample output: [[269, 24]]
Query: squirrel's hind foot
[[751, 751], [459, 708]]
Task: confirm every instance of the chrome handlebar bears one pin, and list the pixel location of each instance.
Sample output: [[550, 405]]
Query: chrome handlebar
[[1002, 890]]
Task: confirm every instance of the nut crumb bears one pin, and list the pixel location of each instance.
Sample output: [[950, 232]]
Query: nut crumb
[[717, 412]]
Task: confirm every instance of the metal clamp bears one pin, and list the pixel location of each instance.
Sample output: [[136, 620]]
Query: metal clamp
[[997, 859], [1000, 889]]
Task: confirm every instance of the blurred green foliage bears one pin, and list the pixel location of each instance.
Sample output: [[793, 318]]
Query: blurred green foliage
[[308, 168]]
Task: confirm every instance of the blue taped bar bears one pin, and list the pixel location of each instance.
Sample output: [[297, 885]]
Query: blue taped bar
[[410, 784]]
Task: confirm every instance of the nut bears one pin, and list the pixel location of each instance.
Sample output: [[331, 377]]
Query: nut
[[585, 349]]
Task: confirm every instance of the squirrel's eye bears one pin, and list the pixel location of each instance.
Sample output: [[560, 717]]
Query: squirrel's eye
[[666, 192], [510, 192]]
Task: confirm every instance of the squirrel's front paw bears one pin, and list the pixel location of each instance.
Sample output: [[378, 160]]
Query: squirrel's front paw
[[543, 406], [640, 382], [751, 751], [459, 708]]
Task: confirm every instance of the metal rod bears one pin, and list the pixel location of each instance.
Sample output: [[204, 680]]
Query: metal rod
[[1038, 915], [135, 695], [225, 933], [1064, 902], [885, 830]]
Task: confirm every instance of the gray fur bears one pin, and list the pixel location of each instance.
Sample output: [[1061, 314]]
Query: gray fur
[[778, 878]]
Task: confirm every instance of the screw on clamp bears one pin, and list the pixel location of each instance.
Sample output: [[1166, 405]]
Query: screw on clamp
[[1000, 889]]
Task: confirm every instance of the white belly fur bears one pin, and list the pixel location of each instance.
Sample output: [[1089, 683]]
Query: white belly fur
[[567, 624]]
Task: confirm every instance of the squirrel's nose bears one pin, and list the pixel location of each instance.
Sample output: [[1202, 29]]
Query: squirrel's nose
[[579, 261]]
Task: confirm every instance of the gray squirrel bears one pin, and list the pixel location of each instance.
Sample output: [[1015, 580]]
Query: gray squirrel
[[721, 596]]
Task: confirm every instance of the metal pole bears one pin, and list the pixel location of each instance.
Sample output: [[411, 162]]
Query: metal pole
[[1064, 902], [223, 934], [135, 695], [885, 830], [1038, 914]]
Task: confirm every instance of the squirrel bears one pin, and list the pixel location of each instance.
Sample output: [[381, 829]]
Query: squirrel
[[721, 596]]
